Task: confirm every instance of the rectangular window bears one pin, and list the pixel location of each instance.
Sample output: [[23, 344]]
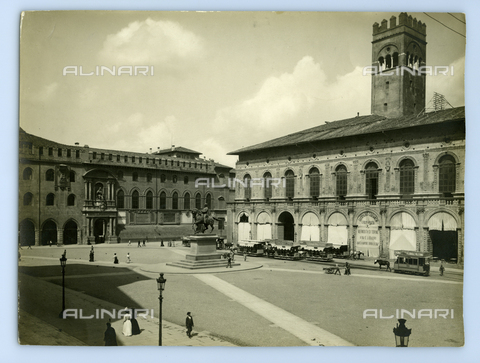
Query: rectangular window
[[50, 151], [341, 185], [118, 158], [69, 153], [40, 150], [102, 156], [77, 154], [94, 155], [110, 157], [59, 152]]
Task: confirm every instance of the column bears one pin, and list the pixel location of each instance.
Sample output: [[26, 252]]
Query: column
[[60, 236], [37, 237]]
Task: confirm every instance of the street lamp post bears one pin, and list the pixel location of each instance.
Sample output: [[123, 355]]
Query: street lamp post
[[160, 286], [63, 263], [402, 334]]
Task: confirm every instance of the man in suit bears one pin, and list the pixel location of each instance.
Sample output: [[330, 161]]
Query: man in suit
[[189, 324]]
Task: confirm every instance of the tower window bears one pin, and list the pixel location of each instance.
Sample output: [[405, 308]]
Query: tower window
[[385, 107], [387, 85]]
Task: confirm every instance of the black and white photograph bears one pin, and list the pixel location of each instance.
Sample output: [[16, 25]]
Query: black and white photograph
[[242, 178]]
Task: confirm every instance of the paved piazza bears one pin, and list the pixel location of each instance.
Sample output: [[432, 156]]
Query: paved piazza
[[265, 302]]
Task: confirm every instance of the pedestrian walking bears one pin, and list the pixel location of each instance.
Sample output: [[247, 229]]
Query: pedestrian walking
[[245, 256], [135, 327], [337, 269], [442, 268], [347, 269], [139, 245], [129, 243], [128, 258], [50, 243], [115, 259], [92, 255], [110, 337], [20, 246], [144, 243], [29, 245], [127, 324], [189, 324], [229, 261]]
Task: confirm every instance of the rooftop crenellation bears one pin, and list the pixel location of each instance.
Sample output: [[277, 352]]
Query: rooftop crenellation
[[403, 20]]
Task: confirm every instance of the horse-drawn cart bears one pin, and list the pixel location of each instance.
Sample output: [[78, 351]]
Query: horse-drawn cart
[[332, 270]]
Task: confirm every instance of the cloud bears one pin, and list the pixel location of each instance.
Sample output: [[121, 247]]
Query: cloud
[[452, 86], [292, 102], [151, 42], [46, 93], [139, 133]]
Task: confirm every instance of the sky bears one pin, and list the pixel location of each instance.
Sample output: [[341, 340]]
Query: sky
[[221, 80]]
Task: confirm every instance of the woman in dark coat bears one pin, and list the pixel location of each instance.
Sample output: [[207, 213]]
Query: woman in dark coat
[[110, 336], [135, 326]]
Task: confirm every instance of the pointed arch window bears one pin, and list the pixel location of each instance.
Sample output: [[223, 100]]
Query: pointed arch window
[[208, 200], [135, 200], [175, 200], [120, 199], [149, 200], [186, 201], [163, 200], [198, 201]]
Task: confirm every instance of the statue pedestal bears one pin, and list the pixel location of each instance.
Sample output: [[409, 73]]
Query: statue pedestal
[[203, 254]]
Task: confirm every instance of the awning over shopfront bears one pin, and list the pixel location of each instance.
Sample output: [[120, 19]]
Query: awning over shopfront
[[310, 227], [249, 243], [402, 233], [264, 227], [442, 222]]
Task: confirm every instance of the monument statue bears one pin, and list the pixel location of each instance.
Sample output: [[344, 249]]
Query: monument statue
[[202, 220]]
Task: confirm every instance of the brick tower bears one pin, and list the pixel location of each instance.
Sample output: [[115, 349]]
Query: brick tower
[[398, 51]]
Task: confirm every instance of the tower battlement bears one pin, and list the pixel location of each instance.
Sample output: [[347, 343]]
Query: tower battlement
[[403, 20]]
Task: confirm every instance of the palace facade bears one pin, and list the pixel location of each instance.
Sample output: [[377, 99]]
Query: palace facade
[[79, 195], [393, 180]]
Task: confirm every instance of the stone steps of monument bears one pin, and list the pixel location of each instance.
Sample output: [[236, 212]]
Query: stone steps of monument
[[193, 265]]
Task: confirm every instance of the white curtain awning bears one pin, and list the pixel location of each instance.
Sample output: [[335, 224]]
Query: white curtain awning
[[338, 235], [310, 219], [402, 220], [337, 219], [442, 222], [263, 218]]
